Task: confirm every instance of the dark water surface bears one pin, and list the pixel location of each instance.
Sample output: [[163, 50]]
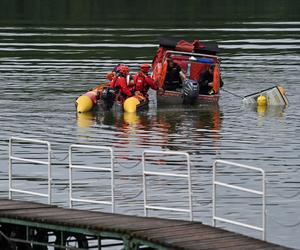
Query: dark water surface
[[50, 54]]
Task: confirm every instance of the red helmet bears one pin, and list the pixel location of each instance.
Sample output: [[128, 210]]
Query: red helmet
[[123, 69], [117, 68], [145, 67]]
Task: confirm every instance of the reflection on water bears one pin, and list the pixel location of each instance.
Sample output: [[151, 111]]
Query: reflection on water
[[172, 120], [270, 111], [85, 120], [266, 112], [170, 127]]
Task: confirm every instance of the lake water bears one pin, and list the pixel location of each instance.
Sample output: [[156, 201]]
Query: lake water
[[48, 58]]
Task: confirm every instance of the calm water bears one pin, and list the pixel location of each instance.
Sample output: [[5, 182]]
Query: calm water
[[45, 63]]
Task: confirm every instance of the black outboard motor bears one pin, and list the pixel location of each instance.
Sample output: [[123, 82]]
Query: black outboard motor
[[108, 94], [106, 99], [190, 91]]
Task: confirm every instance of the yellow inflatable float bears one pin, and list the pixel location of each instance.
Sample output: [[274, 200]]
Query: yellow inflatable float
[[135, 103], [100, 95]]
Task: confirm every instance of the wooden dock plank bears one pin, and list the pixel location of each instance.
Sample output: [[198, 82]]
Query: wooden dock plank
[[206, 237], [178, 234], [121, 224], [233, 244], [29, 211], [6, 205], [228, 239], [172, 234], [188, 237], [190, 229]]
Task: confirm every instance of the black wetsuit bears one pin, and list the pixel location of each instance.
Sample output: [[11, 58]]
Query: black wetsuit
[[173, 80], [205, 79]]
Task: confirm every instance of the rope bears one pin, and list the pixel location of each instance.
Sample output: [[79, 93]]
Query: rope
[[129, 167], [232, 93], [132, 197], [63, 159], [283, 224], [289, 197]]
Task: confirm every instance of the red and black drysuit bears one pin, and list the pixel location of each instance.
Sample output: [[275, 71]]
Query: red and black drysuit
[[119, 83], [143, 82]]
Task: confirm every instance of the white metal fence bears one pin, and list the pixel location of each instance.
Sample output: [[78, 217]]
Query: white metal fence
[[167, 174], [98, 169], [261, 193], [12, 158], [146, 173]]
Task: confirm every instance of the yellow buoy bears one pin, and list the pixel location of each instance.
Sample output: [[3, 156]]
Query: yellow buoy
[[130, 104], [84, 104], [261, 100]]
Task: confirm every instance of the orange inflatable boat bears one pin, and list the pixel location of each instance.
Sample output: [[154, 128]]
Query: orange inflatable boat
[[193, 59], [103, 97]]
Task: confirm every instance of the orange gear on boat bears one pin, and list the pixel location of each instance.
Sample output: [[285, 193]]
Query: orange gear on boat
[[216, 79], [163, 74]]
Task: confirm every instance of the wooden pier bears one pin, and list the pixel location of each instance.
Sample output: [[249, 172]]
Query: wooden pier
[[29, 225]]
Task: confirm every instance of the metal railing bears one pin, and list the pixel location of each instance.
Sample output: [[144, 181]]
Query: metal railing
[[261, 193], [85, 167], [154, 173], [10, 172], [189, 54]]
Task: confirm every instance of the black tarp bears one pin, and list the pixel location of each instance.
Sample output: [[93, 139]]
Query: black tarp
[[205, 48]]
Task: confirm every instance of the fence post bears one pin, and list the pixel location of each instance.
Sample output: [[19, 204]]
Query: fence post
[[261, 193], [74, 166], [153, 173]]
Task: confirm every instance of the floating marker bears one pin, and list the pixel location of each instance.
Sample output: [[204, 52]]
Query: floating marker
[[261, 100]]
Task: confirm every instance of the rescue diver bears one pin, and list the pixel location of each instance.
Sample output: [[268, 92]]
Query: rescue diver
[[110, 75], [206, 81], [143, 81], [119, 83], [174, 76]]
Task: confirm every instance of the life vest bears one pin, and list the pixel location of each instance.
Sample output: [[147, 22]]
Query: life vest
[[140, 84], [130, 82], [163, 74], [216, 80], [120, 86], [113, 82]]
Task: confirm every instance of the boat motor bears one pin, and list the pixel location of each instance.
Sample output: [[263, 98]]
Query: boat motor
[[108, 94], [106, 98], [190, 91]]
